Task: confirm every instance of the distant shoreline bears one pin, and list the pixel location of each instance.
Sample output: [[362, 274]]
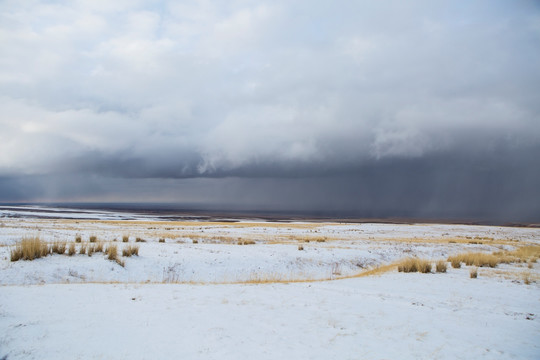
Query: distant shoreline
[[172, 212]]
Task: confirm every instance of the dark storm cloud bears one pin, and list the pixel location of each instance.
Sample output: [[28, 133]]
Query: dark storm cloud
[[180, 100]]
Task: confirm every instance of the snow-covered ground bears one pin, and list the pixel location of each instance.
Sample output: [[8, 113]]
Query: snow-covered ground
[[201, 295]]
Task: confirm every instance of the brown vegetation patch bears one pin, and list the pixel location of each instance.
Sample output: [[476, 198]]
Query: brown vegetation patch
[[130, 250], [112, 252], [58, 247], [29, 248], [441, 266], [414, 265]]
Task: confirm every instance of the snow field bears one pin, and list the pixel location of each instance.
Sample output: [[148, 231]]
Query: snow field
[[215, 299]]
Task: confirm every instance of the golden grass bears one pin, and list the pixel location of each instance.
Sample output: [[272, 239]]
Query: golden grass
[[112, 252], [528, 253], [71, 249], [475, 258], [29, 248], [245, 242], [526, 278], [140, 240], [456, 264], [300, 247], [441, 266], [82, 249], [414, 265], [93, 239], [130, 250], [125, 238], [99, 247], [58, 247], [473, 272], [162, 240], [78, 238], [91, 250]]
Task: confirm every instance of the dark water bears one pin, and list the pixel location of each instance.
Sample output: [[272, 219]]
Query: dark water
[[175, 211]]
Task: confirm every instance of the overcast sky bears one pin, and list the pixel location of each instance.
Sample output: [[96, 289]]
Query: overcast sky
[[383, 108]]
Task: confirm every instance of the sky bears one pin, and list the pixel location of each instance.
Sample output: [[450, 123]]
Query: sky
[[373, 108]]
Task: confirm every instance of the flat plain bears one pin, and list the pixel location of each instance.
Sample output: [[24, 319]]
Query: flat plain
[[266, 290]]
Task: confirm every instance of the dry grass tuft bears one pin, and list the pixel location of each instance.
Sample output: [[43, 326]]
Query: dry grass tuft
[[529, 253], [139, 240], [78, 238], [414, 265], [82, 249], [130, 250], [16, 253], [473, 272], [424, 266], [300, 247], [475, 258], [112, 252], [99, 247], [93, 239], [161, 240], [456, 264], [71, 249], [59, 247], [246, 242], [526, 253], [29, 248], [91, 250], [125, 238], [195, 241], [441, 266]]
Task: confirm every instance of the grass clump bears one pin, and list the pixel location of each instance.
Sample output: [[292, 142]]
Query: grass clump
[[82, 249], [125, 238], [473, 272], [526, 253], [195, 241], [246, 242], [139, 240], [424, 266], [456, 264], [78, 238], [300, 247], [112, 252], [29, 248], [441, 266], [475, 258], [161, 240], [529, 253], [414, 265], [99, 247], [71, 249], [91, 250], [130, 250], [93, 239], [59, 247]]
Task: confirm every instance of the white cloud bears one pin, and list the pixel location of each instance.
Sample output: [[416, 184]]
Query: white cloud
[[212, 87]]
